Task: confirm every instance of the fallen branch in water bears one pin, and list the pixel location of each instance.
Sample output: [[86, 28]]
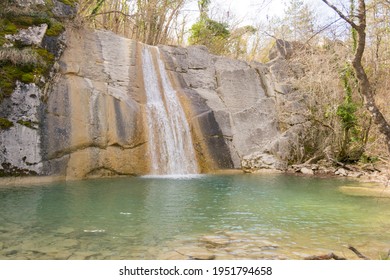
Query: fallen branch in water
[[360, 255], [325, 257]]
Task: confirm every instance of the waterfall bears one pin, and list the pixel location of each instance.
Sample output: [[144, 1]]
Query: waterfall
[[170, 143]]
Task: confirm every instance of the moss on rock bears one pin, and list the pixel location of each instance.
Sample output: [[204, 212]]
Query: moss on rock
[[29, 124], [5, 124]]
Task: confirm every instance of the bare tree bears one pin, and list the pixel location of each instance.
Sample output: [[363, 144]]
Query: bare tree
[[364, 83]]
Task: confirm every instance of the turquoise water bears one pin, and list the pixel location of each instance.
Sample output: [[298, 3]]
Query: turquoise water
[[222, 217]]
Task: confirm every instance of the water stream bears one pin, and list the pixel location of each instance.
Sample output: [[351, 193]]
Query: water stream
[[227, 217], [170, 144]]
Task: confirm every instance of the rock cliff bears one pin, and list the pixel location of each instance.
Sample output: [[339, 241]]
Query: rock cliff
[[90, 120]]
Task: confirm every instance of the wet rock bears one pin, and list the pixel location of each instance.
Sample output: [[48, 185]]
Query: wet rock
[[69, 243], [84, 256], [196, 253], [172, 256], [11, 253], [65, 230], [215, 240]]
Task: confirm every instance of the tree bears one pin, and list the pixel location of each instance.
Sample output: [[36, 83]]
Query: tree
[[208, 32], [359, 23], [300, 20], [148, 21]]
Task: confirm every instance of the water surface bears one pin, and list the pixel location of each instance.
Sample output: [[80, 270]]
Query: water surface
[[211, 216]]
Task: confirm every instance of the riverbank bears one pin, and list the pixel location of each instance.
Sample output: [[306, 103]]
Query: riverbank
[[29, 180], [372, 179]]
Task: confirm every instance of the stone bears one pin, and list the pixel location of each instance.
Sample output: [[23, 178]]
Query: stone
[[307, 171], [62, 10], [282, 48], [215, 240], [69, 243], [30, 36], [64, 230], [172, 256], [28, 3], [341, 172], [196, 253], [20, 144], [259, 160]]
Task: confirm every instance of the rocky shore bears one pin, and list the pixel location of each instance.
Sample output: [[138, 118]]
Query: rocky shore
[[372, 179]]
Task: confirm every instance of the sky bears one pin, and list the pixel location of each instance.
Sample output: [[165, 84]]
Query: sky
[[250, 11]]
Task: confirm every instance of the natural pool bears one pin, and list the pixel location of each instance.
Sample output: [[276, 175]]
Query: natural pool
[[201, 217]]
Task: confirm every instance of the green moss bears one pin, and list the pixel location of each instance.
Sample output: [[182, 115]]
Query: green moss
[[27, 78], [26, 73], [10, 74], [71, 3], [29, 20], [55, 28], [28, 124], [5, 124], [6, 27], [9, 28]]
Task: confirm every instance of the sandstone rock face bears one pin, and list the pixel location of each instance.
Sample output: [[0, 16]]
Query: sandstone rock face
[[247, 100], [91, 120], [94, 116], [95, 122]]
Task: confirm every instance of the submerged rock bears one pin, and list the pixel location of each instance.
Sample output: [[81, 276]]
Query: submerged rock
[[196, 253]]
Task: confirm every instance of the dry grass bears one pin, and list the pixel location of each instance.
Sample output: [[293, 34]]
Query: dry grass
[[19, 57]]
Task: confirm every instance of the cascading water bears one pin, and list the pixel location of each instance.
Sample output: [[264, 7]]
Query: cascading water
[[170, 143]]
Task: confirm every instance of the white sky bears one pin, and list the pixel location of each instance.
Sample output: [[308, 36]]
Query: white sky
[[250, 11]]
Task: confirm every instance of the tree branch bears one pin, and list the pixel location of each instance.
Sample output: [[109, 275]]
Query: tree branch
[[344, 17]]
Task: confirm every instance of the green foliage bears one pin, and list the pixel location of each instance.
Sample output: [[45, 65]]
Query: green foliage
[[211, 33], [99, 4], [368, 159], [5, 124], [347, 110], [352, 123]]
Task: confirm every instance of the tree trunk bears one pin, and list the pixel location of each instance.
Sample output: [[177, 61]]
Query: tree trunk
[[364, 83]]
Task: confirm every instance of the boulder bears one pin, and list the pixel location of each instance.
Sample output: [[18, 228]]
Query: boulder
[[307, 171], [30, 36], [62, 10], [28, 3], [258, 161]]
